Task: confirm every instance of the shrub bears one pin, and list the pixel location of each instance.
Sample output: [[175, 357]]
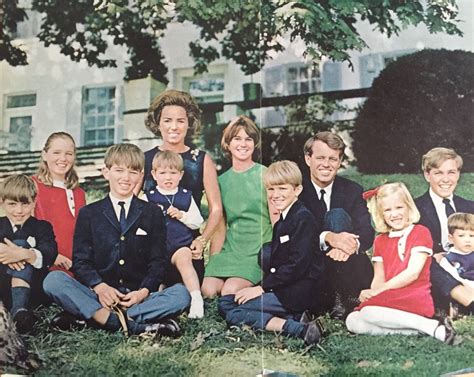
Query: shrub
[[418, 102]]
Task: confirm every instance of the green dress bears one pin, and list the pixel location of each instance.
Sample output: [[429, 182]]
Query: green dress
[[248, 225]]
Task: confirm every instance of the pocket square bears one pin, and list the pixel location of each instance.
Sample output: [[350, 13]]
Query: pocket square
[[31, 241], [284, 238], [141, 232]]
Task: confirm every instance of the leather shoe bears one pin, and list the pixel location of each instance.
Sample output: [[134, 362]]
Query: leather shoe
[[66, 321], [313, 333], [24, 320], [168, 327]]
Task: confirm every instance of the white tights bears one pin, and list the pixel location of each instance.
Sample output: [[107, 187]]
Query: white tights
[[378, 320]]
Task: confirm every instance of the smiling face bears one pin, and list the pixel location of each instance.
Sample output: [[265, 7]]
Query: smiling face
[[167, 178], [18, 212], [463, 240], [122, 180], [174, 124], [59, 157], [323, 163], [444, 179], [241, 146], [395, 212], [283, 195]]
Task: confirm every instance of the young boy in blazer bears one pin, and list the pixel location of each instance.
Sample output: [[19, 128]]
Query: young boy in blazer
[[292, 270], [119, 257]]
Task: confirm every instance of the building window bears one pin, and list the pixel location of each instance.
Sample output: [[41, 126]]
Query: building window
[[98, 116], [23, 100], [206, 89], [302, 79], [20, 128]]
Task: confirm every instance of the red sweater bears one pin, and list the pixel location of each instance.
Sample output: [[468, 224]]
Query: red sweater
[[52, 206]]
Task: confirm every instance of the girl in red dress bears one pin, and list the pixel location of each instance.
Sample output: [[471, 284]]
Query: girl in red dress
[[399, 300], [59, 195]]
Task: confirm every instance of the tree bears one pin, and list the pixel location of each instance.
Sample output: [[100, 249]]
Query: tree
[[247, 31], [418, 102]]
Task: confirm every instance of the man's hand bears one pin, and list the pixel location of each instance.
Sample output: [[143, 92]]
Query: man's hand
[[108, 296], [246, 294], [347, 242], [11, 253], [18, 266], [134, 297], [174, 212], [63, 262], [338, 255]]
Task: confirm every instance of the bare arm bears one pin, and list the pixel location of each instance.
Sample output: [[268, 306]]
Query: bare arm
[[218, 238], [213, 195]]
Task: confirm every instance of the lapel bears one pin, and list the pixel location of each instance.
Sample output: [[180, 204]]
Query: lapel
[[312, 201], [431, 218], [7, 228], [109, 213], [337, 194], [134, 213]]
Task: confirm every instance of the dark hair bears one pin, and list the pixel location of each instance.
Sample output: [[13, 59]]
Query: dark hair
[[333, 141], [233, 128], [19, 188]]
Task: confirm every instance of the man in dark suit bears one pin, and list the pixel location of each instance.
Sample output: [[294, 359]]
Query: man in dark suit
[[343, 221], [119, 257], [442, 169]]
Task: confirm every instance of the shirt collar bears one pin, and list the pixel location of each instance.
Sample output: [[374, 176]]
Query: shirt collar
[[327, 189], [167, 192], [456, 251], [287, 209], [59, 184], [438, 199], [401, 233], [115, 200]]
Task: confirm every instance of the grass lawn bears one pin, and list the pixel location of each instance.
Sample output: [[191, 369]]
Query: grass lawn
[[208, 348]]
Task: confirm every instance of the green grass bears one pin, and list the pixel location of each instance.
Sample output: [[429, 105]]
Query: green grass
[[208, 348]]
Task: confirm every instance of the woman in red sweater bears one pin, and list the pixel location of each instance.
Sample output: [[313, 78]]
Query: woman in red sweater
[[59, 195]]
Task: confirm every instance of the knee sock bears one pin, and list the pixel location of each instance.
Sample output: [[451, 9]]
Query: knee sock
[[20, 298], [293, 328]]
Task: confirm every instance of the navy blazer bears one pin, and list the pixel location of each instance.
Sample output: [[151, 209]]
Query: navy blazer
[[294, 268], [135, 259], [429, 217], [347, 195], [41, 230]]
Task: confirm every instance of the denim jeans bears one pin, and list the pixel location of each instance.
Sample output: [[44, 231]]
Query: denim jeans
[[83, 302]]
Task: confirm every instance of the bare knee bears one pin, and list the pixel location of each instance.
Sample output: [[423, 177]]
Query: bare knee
[[17, 282], [211, 287], [233, 285], [354, 323], [182, 257]]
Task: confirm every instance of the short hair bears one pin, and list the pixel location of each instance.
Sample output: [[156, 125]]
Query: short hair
[[19, 188], [333, 141], [282, 173], [43, 173], [435, 157], [241, 123], [460, 220], [389, 189], [125, 154], [173, 97], [168, 159]]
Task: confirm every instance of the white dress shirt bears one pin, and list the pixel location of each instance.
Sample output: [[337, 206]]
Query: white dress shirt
[[443, 219]]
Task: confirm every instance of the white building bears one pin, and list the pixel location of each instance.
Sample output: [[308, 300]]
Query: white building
[[98, 107]]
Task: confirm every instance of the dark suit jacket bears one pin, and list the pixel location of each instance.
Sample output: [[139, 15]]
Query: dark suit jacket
[[41, 230], [347, 195], [293, 268], [429, 217], [135, 260]]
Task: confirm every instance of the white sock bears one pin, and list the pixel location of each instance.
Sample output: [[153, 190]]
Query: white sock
[[196, 310], [440, 333]]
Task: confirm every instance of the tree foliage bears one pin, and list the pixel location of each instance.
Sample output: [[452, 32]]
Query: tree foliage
[[245, 31], [418, 102]]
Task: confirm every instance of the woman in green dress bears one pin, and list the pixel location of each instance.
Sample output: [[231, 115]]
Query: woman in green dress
[[233, 261]]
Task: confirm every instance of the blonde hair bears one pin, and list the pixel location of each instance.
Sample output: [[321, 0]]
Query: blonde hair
[[435, 157], [234, 127], [167, 159], [173, 98], [332, 140], [376, 210], [460, 220], [125, 154], [19, 188], [282, 173], [43, 173]]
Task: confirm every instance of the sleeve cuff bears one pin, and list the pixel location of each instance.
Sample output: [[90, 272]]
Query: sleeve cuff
[[322, 242], [422, 249], [377, 258], [39, 259]]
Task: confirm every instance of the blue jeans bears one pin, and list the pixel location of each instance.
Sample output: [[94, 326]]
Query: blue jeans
[[255, 313], [337, 220], [83, 302], [26, 274]]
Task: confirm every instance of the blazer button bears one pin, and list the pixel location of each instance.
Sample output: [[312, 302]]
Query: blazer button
[[272, 270], [122, 238], [121, 262], [121, 281]]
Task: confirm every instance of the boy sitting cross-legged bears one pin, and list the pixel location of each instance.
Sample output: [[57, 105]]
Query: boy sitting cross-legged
[[293, 272], [27, 248], [119, 257]]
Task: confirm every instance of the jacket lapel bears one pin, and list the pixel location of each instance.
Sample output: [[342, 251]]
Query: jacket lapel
[[134, 213], [109, 213], [337, 196]]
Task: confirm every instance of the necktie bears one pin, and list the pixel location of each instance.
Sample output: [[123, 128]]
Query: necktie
[[17, 230], [323, 203], [123, 219], [448, 207]]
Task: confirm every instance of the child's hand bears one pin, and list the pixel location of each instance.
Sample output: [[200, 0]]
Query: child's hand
[[174, 212], [196, 249], [344, 241], [246, 294], [368, 293], [63, 262], [338, 255], [18, 266], [134, 297], [108, 296], [11, 253]]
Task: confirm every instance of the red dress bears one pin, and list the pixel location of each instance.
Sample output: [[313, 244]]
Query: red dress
[[52, 206], [395, 250]]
